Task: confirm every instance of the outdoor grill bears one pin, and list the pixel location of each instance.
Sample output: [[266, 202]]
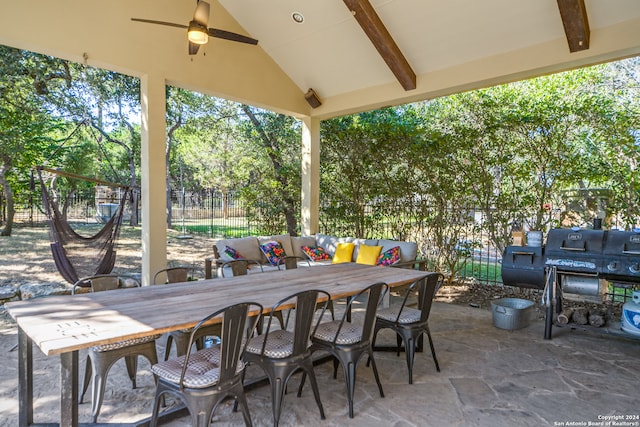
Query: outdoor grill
[[580, 263]]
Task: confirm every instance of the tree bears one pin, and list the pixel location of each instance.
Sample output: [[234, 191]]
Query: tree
[[24, 124], [276, 185], [108, 104]]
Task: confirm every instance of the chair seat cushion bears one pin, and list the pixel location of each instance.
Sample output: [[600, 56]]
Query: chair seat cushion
[[125, 343], [203, 370], [349, 334], [409, 315], [279, 344]]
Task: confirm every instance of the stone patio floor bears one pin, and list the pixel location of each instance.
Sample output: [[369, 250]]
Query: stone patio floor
[[490, 377]]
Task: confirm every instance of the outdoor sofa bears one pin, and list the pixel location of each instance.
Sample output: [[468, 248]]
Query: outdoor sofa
[[311, 250]]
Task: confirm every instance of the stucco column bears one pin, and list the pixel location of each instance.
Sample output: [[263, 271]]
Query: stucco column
[[310, 175], [154, 215]]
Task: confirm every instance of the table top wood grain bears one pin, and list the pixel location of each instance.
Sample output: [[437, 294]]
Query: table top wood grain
[[60, 324]]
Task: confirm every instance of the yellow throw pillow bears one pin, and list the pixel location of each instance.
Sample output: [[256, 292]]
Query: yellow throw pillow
[[368, 254], [344, 253]]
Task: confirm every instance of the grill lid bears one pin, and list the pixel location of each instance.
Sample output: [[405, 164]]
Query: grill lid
[[575, 250]]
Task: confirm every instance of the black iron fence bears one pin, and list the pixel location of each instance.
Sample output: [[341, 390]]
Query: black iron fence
[[213, 213]]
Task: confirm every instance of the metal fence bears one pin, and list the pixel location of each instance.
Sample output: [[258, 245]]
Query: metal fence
[[219, 215]]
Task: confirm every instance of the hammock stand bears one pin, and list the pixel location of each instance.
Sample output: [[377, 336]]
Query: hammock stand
[[77, 256]]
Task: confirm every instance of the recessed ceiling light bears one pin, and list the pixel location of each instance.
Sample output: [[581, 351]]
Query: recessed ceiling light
[[297, 17]]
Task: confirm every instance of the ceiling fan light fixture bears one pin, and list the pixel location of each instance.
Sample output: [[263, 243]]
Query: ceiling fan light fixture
[[197, 33]]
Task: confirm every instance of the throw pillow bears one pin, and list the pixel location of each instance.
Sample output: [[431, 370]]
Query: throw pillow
[[368, 254], [315, 253], [344, 253], [273, 251], [231, 253], [389, 257]]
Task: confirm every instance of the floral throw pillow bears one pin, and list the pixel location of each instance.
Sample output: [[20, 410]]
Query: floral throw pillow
[[315, 253], [389, 257], [273, 251], [231, 253]]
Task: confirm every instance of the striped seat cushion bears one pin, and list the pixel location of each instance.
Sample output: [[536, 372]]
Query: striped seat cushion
[[349, 334], [203, 369], [279, 344], [123, 344], [409, 315]]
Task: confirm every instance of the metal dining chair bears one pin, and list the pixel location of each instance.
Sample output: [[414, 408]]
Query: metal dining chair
[[280, 353], [172, 275], [181, 336], [204, 378], [347, 342], [100, 358], [410, 323], [290, 262], [239, 267]]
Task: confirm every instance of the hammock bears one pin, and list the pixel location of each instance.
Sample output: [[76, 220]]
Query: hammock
[[77, 256]]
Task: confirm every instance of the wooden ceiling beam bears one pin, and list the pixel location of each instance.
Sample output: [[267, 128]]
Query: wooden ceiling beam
[[576, 24], [383, 42]]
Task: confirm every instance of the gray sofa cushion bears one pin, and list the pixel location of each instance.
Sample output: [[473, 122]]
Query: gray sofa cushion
[[328, 243], [298, 242], [247, 247]]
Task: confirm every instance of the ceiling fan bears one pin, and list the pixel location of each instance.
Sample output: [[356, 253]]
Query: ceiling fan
[[197, 31]]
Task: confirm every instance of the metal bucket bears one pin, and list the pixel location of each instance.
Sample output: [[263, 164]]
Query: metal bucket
[[511, 313]]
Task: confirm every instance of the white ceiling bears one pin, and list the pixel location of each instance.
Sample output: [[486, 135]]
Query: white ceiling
[[451, 45], [330, 52]]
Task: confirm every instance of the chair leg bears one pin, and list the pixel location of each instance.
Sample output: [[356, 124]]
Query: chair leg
[[132, 368], [156, 407], [350, 378], [240, 398], [87, 378], [167, 347], [277, 395], [399, 343], [375, 373], [410, 349], [308, 368], [97, 392], [433, 350]]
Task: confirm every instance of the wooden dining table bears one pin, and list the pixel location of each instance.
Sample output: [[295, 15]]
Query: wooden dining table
[[63, 325]]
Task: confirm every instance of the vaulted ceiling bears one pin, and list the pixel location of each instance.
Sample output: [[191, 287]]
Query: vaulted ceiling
[[355, 54]]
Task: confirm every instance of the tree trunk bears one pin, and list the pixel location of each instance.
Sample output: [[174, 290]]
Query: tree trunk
[[288, 208], [225, 204], [8, 197]]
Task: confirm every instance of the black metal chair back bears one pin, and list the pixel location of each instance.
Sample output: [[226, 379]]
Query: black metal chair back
[[280, 361], [408, 323], [237, 323], [172, 275], [239, 267], [100, 282], [100, 358], [190, 377], [290, 262], [347, 342]]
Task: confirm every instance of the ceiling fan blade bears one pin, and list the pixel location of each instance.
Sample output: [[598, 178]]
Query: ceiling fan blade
[[201, 15], [193, 48], [228, 35], [151, 21]]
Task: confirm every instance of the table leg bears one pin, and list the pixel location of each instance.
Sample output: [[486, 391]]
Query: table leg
[[25, 379], [69, 389]]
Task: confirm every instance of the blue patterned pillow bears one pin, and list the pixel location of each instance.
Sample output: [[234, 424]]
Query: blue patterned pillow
[[273, 251]]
